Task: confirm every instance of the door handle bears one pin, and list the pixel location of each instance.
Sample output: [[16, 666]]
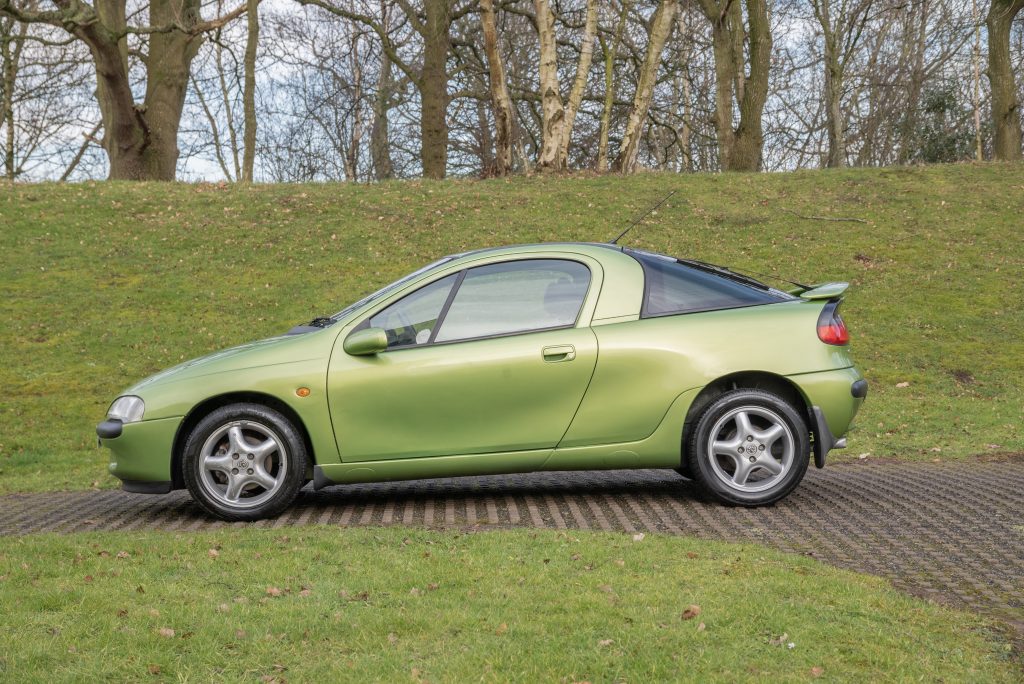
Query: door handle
[[559, 352]]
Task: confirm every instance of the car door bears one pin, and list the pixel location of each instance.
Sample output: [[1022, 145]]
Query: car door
[[486, 360]]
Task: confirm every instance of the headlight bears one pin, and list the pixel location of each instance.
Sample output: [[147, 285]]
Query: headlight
[[127, 409]]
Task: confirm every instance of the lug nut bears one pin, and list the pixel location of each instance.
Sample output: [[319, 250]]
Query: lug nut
[[250, 471], [740, 450], [750, 438], [760, 447], [234, 456], [234, 471], [752, 459]]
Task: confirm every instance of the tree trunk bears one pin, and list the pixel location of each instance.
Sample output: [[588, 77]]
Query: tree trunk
[[739, 149], [580, 82], [11, 43], [433, 89], [380, 145], [908, 131], [609, 87], [552, 110], [249, 90], [834, 120], [747, 151], [1006, 143], [141, 141], [501, 103], [661, 27]]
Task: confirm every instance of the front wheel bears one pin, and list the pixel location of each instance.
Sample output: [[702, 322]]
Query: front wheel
[[244, 462], [749, 447]]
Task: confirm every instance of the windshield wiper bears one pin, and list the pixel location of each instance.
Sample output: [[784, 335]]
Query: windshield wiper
[[321, 322]]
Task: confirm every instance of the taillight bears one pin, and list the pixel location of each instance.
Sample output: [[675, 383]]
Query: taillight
[[831, 329]]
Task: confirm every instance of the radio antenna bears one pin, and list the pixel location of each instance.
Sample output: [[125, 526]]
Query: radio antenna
[[641, 218]]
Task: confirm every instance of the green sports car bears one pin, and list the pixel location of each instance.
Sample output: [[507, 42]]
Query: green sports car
[[516, 359]]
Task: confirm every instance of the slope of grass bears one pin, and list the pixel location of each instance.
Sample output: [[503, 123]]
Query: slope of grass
[[104, 283], [324, 604]]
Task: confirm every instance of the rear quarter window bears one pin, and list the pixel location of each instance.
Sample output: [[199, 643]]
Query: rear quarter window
[[674, 288]]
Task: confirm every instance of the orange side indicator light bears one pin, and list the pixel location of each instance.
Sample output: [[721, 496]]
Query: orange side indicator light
[[302, 392]]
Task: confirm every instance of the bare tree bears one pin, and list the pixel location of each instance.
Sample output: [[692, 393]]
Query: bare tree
[[252, 39], [141, 139], [501, 103], [661, 26], [740, 147], [842, 24]]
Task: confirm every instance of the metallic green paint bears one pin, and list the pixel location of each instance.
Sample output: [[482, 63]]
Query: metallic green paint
[[826, 291], [143, 451], [366, 342], [617, 399]]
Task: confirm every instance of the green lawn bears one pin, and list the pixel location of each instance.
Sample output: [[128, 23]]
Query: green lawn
[[392, 604], [104, 283]]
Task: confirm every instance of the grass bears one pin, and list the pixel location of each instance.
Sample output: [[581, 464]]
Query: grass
[[389, 604], [105, 283]]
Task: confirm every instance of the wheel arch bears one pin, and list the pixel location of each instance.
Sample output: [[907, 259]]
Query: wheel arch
[[763, 380], [210, 404]]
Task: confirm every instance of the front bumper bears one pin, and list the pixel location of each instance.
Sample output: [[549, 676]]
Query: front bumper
[[140, 452]]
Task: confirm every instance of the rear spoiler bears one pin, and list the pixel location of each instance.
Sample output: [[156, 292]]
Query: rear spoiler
[[824, 291]]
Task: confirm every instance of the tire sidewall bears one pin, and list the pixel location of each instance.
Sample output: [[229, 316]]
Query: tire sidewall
[[699, 460], [296, 460]]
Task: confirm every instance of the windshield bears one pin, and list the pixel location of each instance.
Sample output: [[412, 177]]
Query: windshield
[[389, 288]]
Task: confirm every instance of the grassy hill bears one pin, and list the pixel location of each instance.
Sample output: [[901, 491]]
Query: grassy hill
[[104, 283]]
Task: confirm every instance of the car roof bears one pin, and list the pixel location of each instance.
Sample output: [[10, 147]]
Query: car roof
[[595, 249]]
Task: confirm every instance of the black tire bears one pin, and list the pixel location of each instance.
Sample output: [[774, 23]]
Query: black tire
[[749, 482], [282, 459]]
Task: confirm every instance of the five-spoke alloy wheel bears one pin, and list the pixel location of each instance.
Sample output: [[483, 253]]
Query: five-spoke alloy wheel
[[749, 447], [244, 462]]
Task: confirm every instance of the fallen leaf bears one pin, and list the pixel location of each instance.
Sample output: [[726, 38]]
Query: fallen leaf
[[305, 592], [123, 554], [692, 611], [502, 628], [605, 642], [691, 554], [621, 563], [154, 612], [701, 627], [223, 608], [817, 671], [122, 613], [154, 669], [415, 592], [778, 640], [166, 632], [239, 633], [639, 536], [903, 384], [433, 586], [213, 553], [273, 591], [392, 638]]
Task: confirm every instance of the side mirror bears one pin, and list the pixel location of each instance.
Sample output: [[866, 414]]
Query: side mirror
[[366, 342]]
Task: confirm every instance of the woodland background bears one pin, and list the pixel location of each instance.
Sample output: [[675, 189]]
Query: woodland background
[[361, 90]]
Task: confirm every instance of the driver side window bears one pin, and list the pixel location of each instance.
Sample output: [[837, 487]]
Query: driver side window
[[411, 320]]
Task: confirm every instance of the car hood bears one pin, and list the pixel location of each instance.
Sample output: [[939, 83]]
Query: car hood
[[266, 352]]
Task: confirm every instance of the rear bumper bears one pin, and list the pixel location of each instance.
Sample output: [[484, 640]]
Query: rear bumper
[[834, 398]]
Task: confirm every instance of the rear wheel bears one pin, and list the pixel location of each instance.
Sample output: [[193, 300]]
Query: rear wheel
[[749, 447], [244, 462]]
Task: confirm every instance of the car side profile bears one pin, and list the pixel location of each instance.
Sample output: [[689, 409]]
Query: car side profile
[[540, 357]]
